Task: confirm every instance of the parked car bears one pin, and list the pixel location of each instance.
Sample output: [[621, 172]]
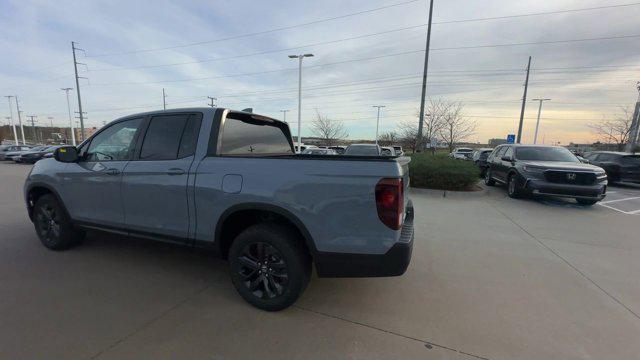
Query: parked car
[[479, 157], [319, 151], [10, 149], [33, 155], [363, 150], [545, 170], [15, 155], [229, 181], [398, 150], [388, 151], [620, 166], [338, 149], [461, 153]]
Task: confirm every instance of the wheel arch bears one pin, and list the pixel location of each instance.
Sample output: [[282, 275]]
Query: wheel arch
[[37, 190], [240, 216]]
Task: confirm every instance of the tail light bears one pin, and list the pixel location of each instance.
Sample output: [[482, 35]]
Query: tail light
[[390, 202]]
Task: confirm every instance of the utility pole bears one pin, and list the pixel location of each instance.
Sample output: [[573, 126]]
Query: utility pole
[[33, 127], [50, 121], [212, 99], [20, 120], [284, 115], [535, 136], [424, 79], [524, 102], [300, 57], [378, 120], [73, 135], [13, 126], [75, 68], [164, 100], [635, 125]]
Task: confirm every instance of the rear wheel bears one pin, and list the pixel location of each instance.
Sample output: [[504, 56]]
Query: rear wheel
[[53, 226], [488, 180], [270, 267], [587, 202]]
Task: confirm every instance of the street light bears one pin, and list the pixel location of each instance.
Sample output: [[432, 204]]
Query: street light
[[73, 135], [378, 120], [535, 136], [299, 57]]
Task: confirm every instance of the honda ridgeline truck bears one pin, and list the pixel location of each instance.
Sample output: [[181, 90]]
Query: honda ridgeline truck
[[229, 181]]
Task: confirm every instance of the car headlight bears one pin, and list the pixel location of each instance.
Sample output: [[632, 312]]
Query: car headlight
[[533, 169]]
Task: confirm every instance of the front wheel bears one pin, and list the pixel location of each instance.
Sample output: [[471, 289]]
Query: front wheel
[[512, 187], [586, 202], [488, 179], [270, 267], [53, 226]]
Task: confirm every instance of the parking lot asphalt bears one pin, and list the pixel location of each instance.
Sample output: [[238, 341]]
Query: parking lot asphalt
[[491, 278]]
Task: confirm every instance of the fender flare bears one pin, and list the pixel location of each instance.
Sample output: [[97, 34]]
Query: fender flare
[[265, 207], [50, 189]]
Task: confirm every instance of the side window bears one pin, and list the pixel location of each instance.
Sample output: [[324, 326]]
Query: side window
[[605, 157], [115, 143], [509, 152], [252, 137], [162, 140]]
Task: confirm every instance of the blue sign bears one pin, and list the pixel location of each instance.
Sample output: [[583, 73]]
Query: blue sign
[[511, 138]]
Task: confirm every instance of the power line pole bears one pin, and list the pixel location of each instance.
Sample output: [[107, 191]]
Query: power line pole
[[212, 99], [300, 57], [284, 115], [75, 68], [524, 102], [20, 120], [33, 127], [635, 125], [424, 79], [164, 100], [13, 126], [378, 120], [535, 136], [73, 135]]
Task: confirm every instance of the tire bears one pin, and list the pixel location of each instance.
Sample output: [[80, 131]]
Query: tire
[[586, 202], [488, 180], [277, 283], [512, 187], [53, 226]]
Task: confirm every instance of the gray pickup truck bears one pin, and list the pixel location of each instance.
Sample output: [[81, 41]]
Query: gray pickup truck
[[229, 181]]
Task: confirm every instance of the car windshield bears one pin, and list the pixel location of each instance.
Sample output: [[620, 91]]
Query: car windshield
[[362, 150], [545, 154]]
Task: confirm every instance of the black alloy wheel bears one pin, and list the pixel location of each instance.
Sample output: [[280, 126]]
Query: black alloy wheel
[[263, 270]]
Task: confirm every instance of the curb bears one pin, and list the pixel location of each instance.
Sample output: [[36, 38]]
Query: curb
[[453, 194]]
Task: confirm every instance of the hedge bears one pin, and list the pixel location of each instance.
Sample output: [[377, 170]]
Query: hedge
[[442, 172]]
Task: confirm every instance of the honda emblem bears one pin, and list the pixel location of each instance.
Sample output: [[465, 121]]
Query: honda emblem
[[571, 176]]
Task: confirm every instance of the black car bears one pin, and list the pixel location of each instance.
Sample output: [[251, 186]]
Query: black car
[[31, 157], [545, 170], [479, 157], [620, 166]]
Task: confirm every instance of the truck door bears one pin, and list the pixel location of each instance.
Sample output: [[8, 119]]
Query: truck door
[[154, 183]]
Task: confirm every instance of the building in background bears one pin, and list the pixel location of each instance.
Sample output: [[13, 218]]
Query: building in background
[[496, 142], [87, 131]]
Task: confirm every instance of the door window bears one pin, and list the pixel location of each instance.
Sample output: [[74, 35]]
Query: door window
[[170, 137], [508, 153], [114, 143]]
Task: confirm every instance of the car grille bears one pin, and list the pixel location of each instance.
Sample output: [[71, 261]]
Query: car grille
[[570, 177]]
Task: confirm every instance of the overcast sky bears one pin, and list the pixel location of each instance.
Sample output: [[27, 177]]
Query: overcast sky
[[586, 80]]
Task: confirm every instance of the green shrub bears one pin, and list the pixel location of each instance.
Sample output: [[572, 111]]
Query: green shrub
[[442, 172]]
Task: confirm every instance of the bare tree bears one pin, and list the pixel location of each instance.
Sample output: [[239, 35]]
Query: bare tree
[[408, 135], [388, 138], [435, 112], [455, 127], [616, 131], [329, 131]]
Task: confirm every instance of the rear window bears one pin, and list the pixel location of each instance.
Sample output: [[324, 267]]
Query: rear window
[[163, 137], [250, 136]]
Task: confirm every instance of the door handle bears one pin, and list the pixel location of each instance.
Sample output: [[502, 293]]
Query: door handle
[[112, 171], [175, 171]]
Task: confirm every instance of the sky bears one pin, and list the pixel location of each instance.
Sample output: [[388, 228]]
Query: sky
[[366, 53]]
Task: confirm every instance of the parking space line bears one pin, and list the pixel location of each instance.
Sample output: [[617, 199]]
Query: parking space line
[[635, 212], [621, 211], [617, 200]]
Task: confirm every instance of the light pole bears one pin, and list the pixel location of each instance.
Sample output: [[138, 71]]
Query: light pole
[[212, 99], [73, 135], [535, 136], [300, 57], [284, 115], [378, 120], [15, 133]]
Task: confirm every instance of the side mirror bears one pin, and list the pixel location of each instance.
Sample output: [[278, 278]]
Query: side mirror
[[66, 154], [506, 158], [583, 160]]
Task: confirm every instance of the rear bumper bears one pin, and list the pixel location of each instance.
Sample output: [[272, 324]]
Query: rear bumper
[[542, 187], [392, 263]]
